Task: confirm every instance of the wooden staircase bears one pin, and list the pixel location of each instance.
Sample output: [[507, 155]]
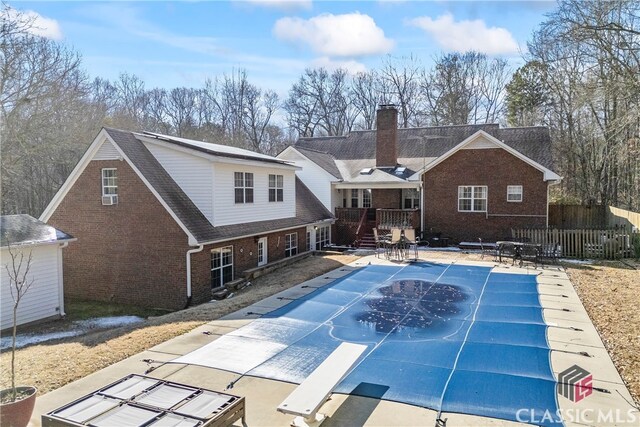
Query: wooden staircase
[[367, 241]]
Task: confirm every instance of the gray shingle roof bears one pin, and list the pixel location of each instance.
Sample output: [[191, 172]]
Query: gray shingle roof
[[24, 230], [324, 160], [189, 214], [427, 143]]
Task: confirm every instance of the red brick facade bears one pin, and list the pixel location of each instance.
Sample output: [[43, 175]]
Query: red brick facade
[[134, 252], [495, 168]]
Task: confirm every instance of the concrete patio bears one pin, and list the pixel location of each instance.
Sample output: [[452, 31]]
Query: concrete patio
[[570, 333]]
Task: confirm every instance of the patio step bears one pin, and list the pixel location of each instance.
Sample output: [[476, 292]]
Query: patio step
[[368, 241]]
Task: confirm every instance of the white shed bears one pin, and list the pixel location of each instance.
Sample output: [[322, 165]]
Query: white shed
[[45, 298]]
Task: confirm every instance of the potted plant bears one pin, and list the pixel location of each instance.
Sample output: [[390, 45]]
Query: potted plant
[[17, 403]]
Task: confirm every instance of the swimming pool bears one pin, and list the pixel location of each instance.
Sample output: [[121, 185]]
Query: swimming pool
[[452, 338]]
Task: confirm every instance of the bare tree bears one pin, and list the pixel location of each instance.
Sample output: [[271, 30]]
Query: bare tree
[[400, 80], [19, 284]]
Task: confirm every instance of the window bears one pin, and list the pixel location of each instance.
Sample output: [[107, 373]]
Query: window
[[276, 188], [366, 198], [472, 199], [514, 193], [322, 237], [244, 187], [221, 266], [354, 198], [290, 244], [110, 182], [410, 198]]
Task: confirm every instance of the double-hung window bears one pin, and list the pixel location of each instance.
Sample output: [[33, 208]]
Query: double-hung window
[[472, 198], [410, 198], [243, 187], [276, 188], [110, 182], [290, 244], [514, 193], [221, 266], [366, 198]]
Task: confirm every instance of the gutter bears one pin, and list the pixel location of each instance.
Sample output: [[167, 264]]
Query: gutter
[[61, 280], [189, 252]]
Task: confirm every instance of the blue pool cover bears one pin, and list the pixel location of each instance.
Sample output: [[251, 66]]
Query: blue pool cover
[[451, 338]]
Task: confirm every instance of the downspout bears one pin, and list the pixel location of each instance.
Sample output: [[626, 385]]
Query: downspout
[[422, 208], [61, 279], [189, 252]]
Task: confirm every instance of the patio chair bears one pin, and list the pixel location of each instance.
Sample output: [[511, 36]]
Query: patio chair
[[491, 250], [410, 240], [394, 246], [382, 241], [550, 252], [529, 252], [508, 250]]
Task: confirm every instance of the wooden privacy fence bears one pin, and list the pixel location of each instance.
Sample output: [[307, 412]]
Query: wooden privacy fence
[[607, 243]]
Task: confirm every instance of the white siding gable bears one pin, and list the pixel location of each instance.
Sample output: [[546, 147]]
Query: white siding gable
[[192, 173], [227, 212], [107, 152], [480, 143], [313, 176], [43, 298]]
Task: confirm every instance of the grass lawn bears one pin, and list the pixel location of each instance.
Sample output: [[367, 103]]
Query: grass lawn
[[81, 310]]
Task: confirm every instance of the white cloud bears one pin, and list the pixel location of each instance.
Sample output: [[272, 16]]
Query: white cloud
[[348, 35], [352, 67], [39, 25], [286, 5], [462, 36]]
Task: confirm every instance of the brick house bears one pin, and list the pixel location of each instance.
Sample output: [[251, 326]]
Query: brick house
[[463, 182], [162, 221]]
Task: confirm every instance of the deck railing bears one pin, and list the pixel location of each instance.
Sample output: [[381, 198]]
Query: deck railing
[[387, 219], [608, 243], [349, 215]]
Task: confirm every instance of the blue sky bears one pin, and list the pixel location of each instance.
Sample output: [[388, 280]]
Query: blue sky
[[170, 44]]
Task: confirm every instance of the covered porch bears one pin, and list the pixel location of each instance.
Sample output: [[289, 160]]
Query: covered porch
[[364, 209]]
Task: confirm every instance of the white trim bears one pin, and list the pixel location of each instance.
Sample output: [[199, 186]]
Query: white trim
[[548, 175], [82, 165], [212, 157], [375, 185], [109, 186], [61, 280]]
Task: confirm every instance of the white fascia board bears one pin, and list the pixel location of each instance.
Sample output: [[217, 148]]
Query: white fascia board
[[376, 185], [51, 243], [212, 157], [74, 175], [291, 148], [548, 175]]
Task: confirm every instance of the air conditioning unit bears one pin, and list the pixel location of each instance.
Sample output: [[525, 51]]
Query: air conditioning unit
[[110, 200]]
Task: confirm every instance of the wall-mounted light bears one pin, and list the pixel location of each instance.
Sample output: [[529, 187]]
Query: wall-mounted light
[[315, 227]]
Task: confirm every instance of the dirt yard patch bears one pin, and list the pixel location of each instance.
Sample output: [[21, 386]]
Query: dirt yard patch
[[610, 292], [52, 365]]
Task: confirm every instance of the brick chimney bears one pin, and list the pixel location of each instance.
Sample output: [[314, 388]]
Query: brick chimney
[[386, 136]]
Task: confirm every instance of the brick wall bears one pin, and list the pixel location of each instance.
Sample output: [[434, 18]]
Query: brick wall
[[132, 252], [496, 169], [386, 137], [245, 256], [386, 198]]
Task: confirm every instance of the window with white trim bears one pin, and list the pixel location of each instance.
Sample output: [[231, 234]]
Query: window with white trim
[[354, 198], [514, 193], [323, 236], [221, 266], [290, 244], [366, 198], [110, 182], [472, 198], [276, 188], [243, 183], [410, 198]]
